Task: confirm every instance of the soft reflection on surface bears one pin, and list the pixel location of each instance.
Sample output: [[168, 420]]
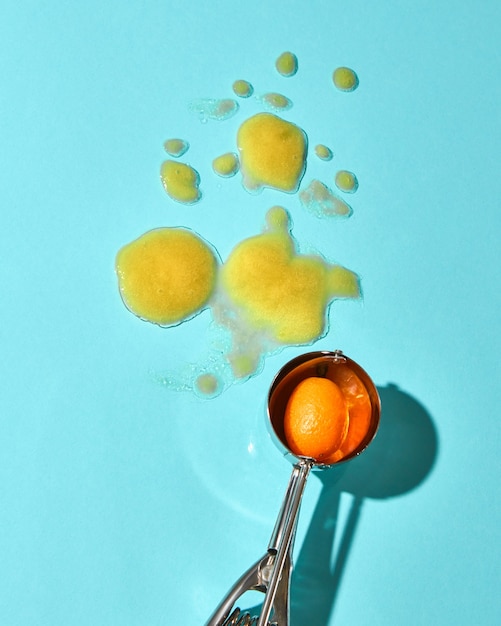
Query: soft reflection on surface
[[236, 460]]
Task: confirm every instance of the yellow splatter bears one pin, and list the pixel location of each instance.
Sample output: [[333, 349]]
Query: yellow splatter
[[167, 275], [276, 102], [346, 181], [208, 385], [321, 201], [243, 364], [345, 79], [267, 295], [287, 64], [226, 165], [278, 291], [176, 147], [180, 181], [272, 153], [242, 88], [323, 152]]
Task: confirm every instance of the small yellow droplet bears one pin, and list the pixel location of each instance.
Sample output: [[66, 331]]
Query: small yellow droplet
[[345, 79], [226, 165], [323, 152], [208, 385], [180, 181], [346, 181], [286, 64], [243, 89], [176, 147]]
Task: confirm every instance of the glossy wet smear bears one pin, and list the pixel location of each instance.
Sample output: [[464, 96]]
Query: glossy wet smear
[[267, 294], [346, 181], [176, 147], [226, 165], [167, 275], [180, 181], [242, 88], [345, 79], [272, 153], [323, 152], [287, 64], [274, 288]]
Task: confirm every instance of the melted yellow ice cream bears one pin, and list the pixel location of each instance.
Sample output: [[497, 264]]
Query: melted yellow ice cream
[[225, 165], [272, 153], [286, 64], [346, 181], [242, 88], [345, 79], [180, 181], [167, 275], [176, 147], [323, 152], [279, 291]]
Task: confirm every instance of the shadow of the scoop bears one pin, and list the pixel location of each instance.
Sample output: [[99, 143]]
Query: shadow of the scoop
[[398, 460]]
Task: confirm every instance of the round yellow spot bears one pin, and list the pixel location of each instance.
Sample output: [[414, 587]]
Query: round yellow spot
[[346, 181], [286, 64], [323, 152], [243, 365], [226, 165], [208, 385], [180, 181], [176, 147], [167, 275], [243, 89], [272, 153], [345, 79]]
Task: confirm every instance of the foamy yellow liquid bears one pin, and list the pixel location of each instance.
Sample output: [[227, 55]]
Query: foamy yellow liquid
[[280, 291], [167, 275], [272, 153]]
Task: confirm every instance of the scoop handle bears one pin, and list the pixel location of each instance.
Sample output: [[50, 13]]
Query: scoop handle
[[282, 537]]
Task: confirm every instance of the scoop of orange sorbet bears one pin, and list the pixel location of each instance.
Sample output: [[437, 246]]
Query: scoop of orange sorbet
[[316, 418]]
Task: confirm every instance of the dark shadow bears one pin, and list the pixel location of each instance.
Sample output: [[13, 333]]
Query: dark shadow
[[398, 460]]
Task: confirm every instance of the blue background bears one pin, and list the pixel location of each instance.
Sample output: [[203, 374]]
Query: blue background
[[122, 502]]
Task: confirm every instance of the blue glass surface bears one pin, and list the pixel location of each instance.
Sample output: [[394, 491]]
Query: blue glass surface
[[123, 502]]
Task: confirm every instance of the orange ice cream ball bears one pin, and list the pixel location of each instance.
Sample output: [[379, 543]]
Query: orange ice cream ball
[[316, 419]]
